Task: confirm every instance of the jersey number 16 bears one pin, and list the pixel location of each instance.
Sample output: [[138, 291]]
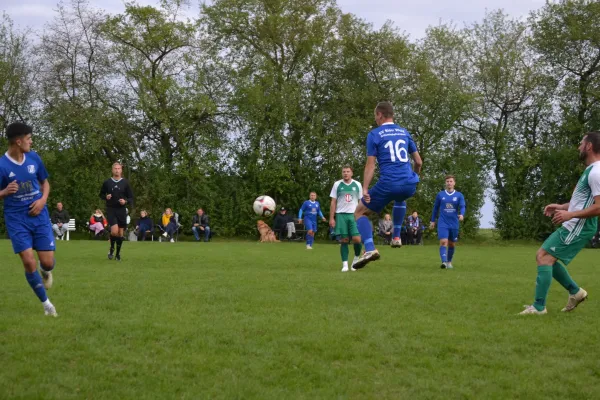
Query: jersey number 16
[[400, 152]]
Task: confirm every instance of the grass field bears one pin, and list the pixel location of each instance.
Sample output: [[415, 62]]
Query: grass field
[[275, 321]]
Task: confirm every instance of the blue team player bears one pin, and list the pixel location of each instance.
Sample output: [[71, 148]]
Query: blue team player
[[24, 188], [450, 205], [310, 209], [390, 145]]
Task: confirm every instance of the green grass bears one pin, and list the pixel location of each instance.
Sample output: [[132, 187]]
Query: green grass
[[275, 321]]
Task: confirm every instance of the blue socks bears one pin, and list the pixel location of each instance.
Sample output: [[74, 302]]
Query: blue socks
[[35, 281], [310, 240], [450, 253], [398, 213], [366, 232], [443, 254]]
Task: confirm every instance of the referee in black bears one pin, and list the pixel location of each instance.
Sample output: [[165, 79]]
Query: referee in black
[[118, 195]]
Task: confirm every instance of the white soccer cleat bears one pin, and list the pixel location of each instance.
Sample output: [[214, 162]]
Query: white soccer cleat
[[308, 247], [165, 234], [366, 258], [575, 299], [449, 265], [172, 240], [345, 269], [531, 310], [50, 310], [396, 243], [47, 279], [356, 258]]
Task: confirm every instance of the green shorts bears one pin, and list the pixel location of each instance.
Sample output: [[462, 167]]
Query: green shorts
[[555, 245], [345, 225]]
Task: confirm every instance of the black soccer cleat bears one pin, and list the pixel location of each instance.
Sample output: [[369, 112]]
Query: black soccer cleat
[[118, 257], [110, 255]]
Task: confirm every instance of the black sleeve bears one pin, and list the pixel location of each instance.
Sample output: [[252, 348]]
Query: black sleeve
[[53, 217], [67, 217], [129, 194], [103, 191]]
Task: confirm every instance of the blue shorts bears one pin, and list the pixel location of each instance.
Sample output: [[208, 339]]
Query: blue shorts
[[383, 194], [28, 232], [310, 225], [447, 233]]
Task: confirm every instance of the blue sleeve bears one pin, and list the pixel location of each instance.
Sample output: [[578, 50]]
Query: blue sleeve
[[320, 211], [301, 210], [3, 179], [42, 173], [412, 147], [371, 146], [462, 205], [436, 208]]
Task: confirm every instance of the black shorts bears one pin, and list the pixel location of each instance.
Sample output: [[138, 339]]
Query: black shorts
[[116, 216]]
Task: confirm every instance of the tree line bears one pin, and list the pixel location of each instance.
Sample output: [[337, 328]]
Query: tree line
[[273, 96]]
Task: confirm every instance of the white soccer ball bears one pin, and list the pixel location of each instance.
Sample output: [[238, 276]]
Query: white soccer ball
[[264, 206]]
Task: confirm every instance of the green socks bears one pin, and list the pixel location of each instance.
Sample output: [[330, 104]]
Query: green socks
[[357, 249], [560, 273], [542, 285], [344, 251]]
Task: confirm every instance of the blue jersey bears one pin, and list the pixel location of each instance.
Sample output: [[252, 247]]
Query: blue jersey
[[449, 206], [310, 210], [28, 175], [392, 145]]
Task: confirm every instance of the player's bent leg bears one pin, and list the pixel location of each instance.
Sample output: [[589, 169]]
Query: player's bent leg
[[366, 233], [451, 248], [47, 264], [443, 251], [398, 213], [35, 280], [356, 240], [544, 261]]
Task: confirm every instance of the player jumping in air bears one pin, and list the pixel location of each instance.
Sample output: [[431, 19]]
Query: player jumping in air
[[390, 145], [25, 188], [345, 195], [310, 208], [450, 205], [579, 219], [118, 195]]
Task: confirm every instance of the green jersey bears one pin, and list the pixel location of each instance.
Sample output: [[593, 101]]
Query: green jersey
[[347, 195], [587, 187]]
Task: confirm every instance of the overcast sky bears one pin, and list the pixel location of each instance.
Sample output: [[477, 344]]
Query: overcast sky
[[411, 16]]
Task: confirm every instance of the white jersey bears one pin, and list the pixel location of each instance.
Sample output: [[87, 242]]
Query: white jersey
[[347, 195], [587, 187]]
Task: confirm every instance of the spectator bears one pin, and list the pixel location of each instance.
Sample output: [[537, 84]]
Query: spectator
[[200, 225], [283, 224], [415, 228], [60, 221], [386, 226], [98, 223], [168, 224], [143, 226]]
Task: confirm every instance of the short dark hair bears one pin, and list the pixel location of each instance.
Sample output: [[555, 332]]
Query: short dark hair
[[347, 166], [450, 177], [17, 130], [385, 108], [594, 139]]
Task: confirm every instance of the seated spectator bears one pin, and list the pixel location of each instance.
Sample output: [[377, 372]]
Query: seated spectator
[[415, 228], [386, 228], [168, 224], [60, 221], [98, 224], [143, 226], [283, 224], [200, 225]]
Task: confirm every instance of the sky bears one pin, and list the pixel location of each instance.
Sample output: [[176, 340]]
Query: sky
[[412, 17]]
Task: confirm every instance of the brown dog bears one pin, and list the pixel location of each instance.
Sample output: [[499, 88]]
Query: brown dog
[[266, 234]]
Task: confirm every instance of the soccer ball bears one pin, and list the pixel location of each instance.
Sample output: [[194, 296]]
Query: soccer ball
[[264, 206]]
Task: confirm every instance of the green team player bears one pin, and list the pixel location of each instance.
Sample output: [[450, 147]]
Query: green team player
[[579, 219], [345, 195]]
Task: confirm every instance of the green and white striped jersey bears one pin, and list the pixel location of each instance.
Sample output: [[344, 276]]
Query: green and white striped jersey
[[587, 187], [347, 195]]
